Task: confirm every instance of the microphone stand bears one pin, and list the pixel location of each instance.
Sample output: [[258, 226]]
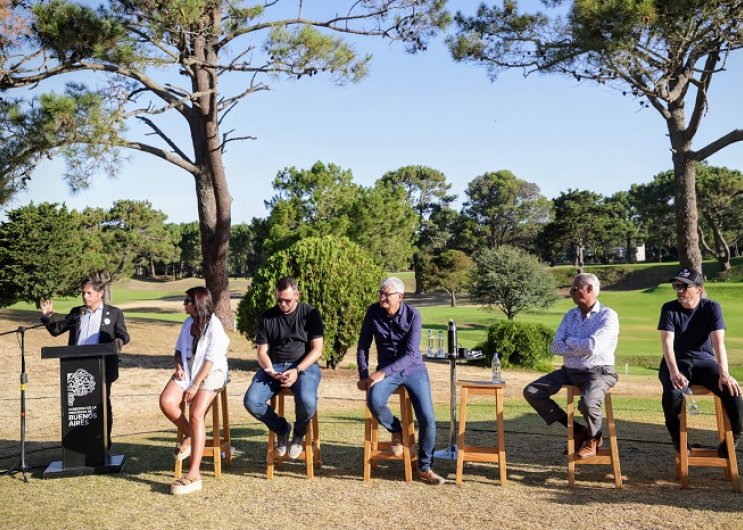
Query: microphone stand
[[20, 464]]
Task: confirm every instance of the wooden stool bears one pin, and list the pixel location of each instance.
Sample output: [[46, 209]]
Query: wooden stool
[[374, 450], [705, 457], [478, 453], [220, 443], [608, 455], [311, 441]]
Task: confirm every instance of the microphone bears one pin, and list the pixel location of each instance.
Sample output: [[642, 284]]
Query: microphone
[[74, 317]]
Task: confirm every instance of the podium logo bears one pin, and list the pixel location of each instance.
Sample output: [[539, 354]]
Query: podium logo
[[79, 384]]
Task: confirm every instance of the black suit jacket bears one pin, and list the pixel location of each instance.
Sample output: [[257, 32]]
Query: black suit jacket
[[112, 327]]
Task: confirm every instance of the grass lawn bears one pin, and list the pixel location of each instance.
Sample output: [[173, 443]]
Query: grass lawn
[[537, 494]]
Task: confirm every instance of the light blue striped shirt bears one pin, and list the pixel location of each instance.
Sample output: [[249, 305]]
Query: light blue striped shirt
[[90, 326]]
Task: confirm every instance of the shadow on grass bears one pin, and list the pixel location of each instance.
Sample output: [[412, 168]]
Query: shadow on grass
[[533, 460]]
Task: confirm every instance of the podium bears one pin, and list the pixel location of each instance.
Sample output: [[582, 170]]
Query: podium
[[84, 394]]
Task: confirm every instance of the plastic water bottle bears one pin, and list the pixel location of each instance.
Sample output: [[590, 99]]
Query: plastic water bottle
[[440, 353], [496, 369], [691, 402], [431, 345]]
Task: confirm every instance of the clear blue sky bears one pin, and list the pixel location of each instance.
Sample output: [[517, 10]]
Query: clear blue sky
[[424, 109]]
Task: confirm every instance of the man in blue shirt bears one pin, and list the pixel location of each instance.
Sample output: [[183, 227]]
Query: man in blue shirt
[[692, 334], [396, 330]]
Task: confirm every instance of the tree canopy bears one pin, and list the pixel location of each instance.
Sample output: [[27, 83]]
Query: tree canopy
[[40, 254], [508, 210], [450, 270], [511, 280], [665, 54], [155, 60]]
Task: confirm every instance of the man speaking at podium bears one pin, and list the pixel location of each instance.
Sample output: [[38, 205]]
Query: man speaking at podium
[[92, 323]]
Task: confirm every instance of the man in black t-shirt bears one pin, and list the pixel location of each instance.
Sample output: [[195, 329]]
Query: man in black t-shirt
[[692, 333], [289, 341]]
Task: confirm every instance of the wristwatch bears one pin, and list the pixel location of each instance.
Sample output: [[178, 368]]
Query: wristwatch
[[299, 370]]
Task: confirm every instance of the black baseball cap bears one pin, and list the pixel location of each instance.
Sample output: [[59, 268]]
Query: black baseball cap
[[689, 276]]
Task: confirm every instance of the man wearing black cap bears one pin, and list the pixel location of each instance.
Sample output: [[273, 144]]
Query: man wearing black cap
[[692, 333]]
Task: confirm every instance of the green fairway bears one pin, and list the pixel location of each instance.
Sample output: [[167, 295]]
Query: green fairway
[[639, 340]]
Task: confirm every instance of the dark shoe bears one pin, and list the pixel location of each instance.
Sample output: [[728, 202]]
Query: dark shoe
[[722, 449], [396, 445], [676, 440], [579, 438], [591, 447], [282, 441], [431, 477]]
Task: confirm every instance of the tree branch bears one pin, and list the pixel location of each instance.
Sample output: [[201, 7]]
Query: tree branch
[[166, 139], [710, 149]]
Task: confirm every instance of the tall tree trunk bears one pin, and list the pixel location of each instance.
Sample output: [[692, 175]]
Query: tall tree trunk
[[685, 171], [685, 198], [417, 271], [213, 197]]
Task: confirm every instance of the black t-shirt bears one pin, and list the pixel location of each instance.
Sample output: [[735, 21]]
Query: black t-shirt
[[288, 336], [691, 327]]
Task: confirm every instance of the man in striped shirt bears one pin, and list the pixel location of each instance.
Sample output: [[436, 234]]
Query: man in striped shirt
[[586, 339]]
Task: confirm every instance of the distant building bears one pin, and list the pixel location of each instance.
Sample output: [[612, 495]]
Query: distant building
[[621, 253]]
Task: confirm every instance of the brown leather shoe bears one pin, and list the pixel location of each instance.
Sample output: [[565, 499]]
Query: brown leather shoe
[[431, 477], [579, 439], [396, 445], [590, 448]]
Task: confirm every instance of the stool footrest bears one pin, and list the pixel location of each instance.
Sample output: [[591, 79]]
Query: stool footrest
[[480, 453], [603, 456]]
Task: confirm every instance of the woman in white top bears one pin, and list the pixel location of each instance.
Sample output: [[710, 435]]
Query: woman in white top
[[200, 372]]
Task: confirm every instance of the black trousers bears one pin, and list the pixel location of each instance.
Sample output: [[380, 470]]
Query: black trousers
[[702, 372]]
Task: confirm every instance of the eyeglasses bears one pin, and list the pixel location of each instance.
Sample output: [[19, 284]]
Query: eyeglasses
[[188, 300], [575, 289], [383, 294], [284, 301], [680, 287]]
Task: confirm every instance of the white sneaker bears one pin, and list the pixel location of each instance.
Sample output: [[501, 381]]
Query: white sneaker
[[296, 448], [282, 441]]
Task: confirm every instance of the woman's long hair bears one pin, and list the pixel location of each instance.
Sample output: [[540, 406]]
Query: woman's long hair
[[204, 306]]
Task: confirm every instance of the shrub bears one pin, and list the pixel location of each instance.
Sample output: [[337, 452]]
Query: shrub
[[524, 344], [335, 275]]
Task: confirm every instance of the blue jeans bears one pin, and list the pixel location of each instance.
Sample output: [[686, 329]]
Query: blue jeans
[[419, 389], [264, 387]]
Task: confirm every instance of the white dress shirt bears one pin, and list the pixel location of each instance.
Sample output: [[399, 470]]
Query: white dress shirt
[[588, 340]]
